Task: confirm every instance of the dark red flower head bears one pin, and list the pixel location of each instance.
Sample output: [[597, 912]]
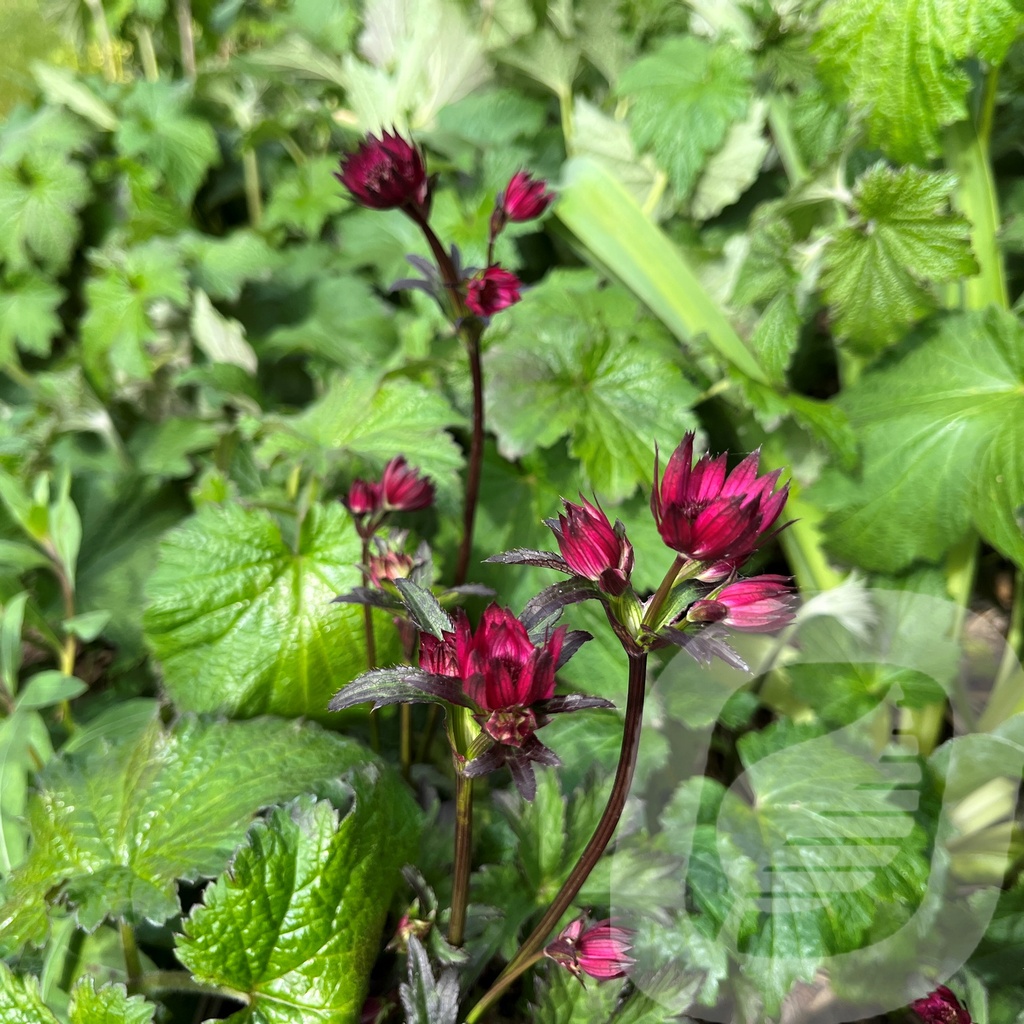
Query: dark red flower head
[[403, 489], [941, 1007], [492, 290], [386, 173], [756, 605], [592, 547], [525, 198], [707, 514], [602, 950]]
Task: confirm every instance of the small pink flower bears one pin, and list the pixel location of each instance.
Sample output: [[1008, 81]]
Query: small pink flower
[[592, 547], [386, 173], [941, 1007], [760, 604], [363, 498], [389, 565], [525, 198], [710, 515], [602, 950], [403, 489], [492, 290]]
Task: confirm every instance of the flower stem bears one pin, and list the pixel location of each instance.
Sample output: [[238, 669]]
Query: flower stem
[[132, 960], [528, 952], [463, 858], [405, 743], [471, 332], [661, 594]]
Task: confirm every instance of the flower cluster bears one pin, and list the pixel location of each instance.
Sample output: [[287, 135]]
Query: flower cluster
[[401, 488], [389, 173], [602, 950]]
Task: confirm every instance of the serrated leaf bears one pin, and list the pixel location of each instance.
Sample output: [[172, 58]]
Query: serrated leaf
[[110, 1004], [306, 197], [899, 61], [776, 336], [561, 999], [40, 197], [940, 426], [402, 685], [243, 620], [426, 999], [223, 266], [296, 922], [903, 235], [114, 830], [396, 417], [585, 363], [28, 317], [686, 95], [424, 609], [157, 128], [494, 117], [20, 1001]]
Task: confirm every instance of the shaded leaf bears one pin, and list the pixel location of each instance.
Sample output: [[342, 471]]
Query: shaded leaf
[[403, 685]]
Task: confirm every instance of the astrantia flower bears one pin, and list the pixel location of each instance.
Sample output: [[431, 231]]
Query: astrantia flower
[[525, 198], [492, 290], [592, 547], [941, 1007], [710, 515], [602, 950], [403, 489], [756, 605], [386, 173], [389, 565], [363, 498]]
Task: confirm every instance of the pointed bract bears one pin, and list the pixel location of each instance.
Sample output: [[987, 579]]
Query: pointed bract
[[386, 173], [710, 515]]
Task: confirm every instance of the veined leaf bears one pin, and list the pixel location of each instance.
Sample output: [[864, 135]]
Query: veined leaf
[[295, 922], [899, 60], [114, 830], [110, 1004], [241, 620], [686, 95], [903, 235], [28, 316]]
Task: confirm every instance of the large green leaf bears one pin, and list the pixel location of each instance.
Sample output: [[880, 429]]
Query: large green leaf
[[586, 363], [110, 1004], [28, 316], [241, 617], [296, 921], [113, 830], [902, 235], [899, 61], [686, 95], [20, 1001], [941, 424]]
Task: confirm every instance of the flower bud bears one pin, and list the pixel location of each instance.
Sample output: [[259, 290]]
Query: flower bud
[[525, 198], [602, 951], [403, 489], [760, 604], [492, 290], [592, 547]]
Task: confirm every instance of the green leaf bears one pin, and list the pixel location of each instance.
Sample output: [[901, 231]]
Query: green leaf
[[15, 765], [424, 609], [306, 197], [686, 95], [62, 88], [426, 999], [494, 117], [902, 235], [114, 829], [586, 363], [110, 1004], [164, 450], [11, 620], [45, 689], [20, 1001], [28, 316], [242, 620], [39, 200], [296, 922], [223, 266], [940, 426], [157, 128], [776, 336], [561, 999], [899, 61], [396, 417], [88, 626]]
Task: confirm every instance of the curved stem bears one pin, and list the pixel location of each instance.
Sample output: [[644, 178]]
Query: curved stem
[[476, 451], [602, 836]]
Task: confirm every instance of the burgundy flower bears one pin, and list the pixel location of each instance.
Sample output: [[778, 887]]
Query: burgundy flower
[[592, 547], [389, 565], [941, 1007], [403, 489], [386, 173], [363, 498], [709, 515], [602, 950], [525, 198], [756, 605], [492, 290]]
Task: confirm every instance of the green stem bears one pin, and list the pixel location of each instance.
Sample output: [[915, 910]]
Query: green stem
[[565, 112], [147, 53], [99, 20], [471, 332], [1007, 697], [251, 178], [132, 960], [785, 143], [529, 951], [463, 859], [183, 12], [661, 594], [156, 982]]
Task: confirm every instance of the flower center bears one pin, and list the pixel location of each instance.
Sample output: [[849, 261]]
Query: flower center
[[511, 726]]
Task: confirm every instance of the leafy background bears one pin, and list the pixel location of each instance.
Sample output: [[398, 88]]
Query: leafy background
[[793, 224]]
